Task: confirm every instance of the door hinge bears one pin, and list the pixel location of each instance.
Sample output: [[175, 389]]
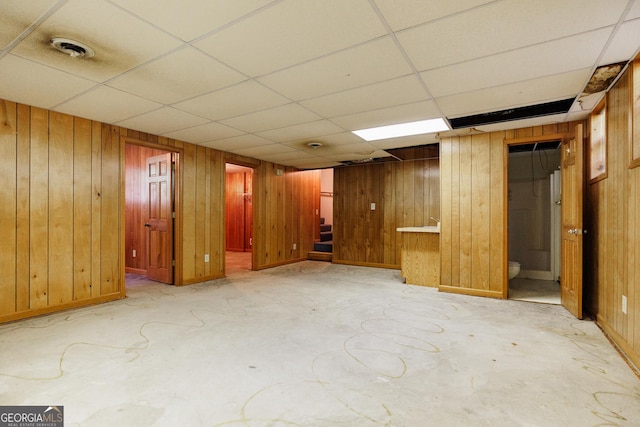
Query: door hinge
[[173, 215], [173, 263]]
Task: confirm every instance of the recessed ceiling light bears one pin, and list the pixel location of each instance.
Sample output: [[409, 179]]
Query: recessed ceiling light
[[315, 144], [72, 48], [403, 129]]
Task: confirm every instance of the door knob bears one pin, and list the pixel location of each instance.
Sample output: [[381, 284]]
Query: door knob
[[146, 224]]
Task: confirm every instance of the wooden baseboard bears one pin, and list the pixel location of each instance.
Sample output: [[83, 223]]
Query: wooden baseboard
[[62, 307], [201, 279], [627, 352], [320, 256], [132, 270], [367, 264], [278, 264], [472, 292]]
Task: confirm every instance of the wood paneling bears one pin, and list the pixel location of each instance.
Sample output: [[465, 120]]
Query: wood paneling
[[60, 212], [406, 194], [421, 258], [612, 245], [284, 213], [473, 243]]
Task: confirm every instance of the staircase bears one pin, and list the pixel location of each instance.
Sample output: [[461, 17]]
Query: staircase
[[323, 250]]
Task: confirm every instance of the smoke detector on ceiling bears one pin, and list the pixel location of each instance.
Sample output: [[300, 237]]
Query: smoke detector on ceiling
[[315, 144], [72, 48]]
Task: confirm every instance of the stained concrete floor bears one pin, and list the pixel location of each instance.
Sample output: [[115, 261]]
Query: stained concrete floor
[[316, 344]]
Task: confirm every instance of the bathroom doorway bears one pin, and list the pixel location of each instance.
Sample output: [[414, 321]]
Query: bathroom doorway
[[534, 221]]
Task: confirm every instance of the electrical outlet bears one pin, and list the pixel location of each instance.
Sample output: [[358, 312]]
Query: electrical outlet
[[134, 253], [206, 257], [294, 246], [624, 304], [373, 206]]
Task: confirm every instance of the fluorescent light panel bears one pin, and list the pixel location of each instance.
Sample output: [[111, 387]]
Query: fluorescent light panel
[[403, 129]]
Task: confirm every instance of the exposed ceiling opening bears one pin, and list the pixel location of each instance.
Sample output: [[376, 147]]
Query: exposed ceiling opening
[[530, 111]]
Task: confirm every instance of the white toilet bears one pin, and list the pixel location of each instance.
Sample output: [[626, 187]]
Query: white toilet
[[514, 269]]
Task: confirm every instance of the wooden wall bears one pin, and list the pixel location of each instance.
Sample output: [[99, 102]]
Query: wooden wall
[[59, 211], [612, 245], [136, 207], [406, 194], [473, 235], [62, 204], [285, 211]]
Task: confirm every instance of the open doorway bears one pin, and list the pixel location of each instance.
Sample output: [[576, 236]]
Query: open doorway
[[238, 218], [150, 206], [534, 221]]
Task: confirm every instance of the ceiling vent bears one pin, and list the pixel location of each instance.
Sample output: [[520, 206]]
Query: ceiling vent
[[72, 48], [530, 111]]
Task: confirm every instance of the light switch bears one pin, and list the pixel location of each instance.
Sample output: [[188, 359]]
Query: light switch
[[373, 206], [206, 257]]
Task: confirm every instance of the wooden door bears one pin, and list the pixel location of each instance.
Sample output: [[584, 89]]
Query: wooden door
[[160, 222], [572, 232]]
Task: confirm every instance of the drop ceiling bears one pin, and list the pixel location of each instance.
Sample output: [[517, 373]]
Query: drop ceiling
[[263, 78]]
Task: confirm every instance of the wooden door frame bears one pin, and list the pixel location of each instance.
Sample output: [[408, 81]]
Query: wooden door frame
[[254, 174], [507, 143], [177, 224]]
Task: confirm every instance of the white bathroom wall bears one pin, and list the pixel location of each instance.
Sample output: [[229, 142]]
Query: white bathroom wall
[[530, 212]]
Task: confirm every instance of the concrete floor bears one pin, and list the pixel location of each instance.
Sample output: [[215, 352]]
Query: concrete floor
[[316, 344], [534, 290]]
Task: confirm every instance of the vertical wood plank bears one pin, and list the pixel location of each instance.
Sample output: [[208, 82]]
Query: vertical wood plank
[[480, 205], [498, 180], [188, 212], [96, 209], [22, 206], [110, 215], [60, 208], [81, 209], [8, 208], [39, 212], [200, 210], [446, 225]]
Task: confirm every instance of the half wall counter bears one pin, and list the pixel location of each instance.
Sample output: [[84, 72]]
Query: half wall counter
[[420, 256]]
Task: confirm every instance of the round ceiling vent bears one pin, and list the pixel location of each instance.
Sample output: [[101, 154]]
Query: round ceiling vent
[[72, 47], [315, 144]]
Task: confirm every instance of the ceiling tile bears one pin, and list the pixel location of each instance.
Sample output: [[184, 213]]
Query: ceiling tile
[[401, 14], [17, 15], [359, 66], [389, 93], [544, 89], [237, 142], [312, 164], [204, 133], [308, 29], [120, 41], [188, 23], [502, 26], [291, 156], [162, 121], [624, 45], [243, 98], [107, 105], [36, 84], [168, 80], [304, 130], [263, 150], [518, 65], [273, 118], [388, 116]]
